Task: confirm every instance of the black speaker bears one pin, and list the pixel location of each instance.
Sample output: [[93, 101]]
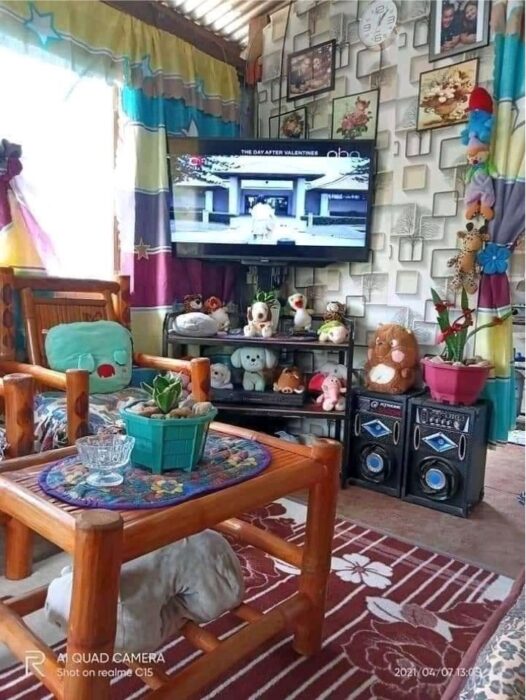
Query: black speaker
[[446, 455], [377, 440]]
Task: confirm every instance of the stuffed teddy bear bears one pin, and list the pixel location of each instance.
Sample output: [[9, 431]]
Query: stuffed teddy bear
[[465, 262], [254, 361], [193, 302], [331, 398], [335, 312], [220, 376], [214, 307], [333, 331], [259, 318], [302, 318], [392, 360], [290, 381]]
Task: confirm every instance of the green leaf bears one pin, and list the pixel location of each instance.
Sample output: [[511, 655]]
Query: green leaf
[[464, 301], [147, 388]]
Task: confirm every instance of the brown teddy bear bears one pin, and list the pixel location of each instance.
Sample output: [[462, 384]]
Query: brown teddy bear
[[392, 360]]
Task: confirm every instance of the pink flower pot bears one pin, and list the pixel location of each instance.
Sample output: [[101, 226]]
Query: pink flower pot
[[461, 385]]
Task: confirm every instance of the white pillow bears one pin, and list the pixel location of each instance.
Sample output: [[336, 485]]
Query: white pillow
[[196, 324]]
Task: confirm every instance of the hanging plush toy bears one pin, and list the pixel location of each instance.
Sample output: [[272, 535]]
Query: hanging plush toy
[[479, 195], [480, 117], [465, 262]]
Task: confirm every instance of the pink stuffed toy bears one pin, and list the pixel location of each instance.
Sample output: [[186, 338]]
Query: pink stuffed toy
[[331, 398]]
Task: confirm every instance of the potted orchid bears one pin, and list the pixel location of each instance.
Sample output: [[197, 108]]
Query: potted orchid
[[451, 376]]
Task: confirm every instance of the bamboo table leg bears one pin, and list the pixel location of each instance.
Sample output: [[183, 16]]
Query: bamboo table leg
[[18, 550], [93, 613], [318, 547]]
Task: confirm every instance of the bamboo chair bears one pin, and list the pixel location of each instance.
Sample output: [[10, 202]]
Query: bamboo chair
[[17, 392], [48, 301]]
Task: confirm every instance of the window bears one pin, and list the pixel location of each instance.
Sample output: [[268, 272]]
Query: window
[[65, 125]]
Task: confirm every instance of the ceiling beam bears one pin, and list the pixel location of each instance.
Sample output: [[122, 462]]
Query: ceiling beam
[[168, 20]]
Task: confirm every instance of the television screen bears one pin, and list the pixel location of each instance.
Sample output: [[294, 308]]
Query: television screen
[[271, 199]]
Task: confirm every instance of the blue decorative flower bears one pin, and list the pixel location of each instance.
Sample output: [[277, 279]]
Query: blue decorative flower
[[494, 259]]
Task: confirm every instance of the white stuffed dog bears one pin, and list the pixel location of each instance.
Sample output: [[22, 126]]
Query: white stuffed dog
[[259, 318], [254, 361], [220, 376]]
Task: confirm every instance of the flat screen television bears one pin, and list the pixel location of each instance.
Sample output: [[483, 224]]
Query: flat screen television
[[266, 200]]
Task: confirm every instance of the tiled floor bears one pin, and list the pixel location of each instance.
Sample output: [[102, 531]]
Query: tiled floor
[[492, 537]]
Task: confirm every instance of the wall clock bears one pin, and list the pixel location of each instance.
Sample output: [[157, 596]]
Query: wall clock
[[378, 23]]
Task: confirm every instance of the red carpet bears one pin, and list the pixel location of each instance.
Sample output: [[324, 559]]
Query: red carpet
[[398, 620]]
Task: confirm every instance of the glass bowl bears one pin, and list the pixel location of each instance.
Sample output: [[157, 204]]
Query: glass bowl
[[105, 456]]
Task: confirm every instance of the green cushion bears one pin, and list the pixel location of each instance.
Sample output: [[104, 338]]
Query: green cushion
[[102, 347]]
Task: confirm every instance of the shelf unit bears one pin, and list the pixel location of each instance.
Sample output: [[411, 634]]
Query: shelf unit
[[176, 345]]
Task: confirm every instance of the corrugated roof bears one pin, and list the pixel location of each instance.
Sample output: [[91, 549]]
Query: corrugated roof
[[226, 18]]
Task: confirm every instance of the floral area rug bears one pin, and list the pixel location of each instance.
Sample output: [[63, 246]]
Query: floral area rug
[[398, 620]]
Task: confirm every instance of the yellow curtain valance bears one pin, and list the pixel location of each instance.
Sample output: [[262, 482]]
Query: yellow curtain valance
[[95, 39]]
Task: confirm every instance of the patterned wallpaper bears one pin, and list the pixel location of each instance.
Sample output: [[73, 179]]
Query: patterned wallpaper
[[418, 202]]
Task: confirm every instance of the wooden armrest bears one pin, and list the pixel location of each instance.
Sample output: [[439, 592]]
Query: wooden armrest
[[75, 382], [199, 369], [49, 377]]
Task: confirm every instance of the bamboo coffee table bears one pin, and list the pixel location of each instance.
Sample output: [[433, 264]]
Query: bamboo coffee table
[[99, 541]]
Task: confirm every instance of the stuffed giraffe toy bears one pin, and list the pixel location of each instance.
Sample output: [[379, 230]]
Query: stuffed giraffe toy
[[465, 262]]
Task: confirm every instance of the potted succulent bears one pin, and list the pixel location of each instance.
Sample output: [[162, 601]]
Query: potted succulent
[[169, 430], [271, 300], [451, 377]]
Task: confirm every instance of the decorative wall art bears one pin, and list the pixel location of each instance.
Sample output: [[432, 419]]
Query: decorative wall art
[[458, 26], [290, 125], [355, 116], [444, 94], [311, 71]]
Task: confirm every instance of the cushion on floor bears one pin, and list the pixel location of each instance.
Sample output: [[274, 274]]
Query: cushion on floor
[[197, 578]]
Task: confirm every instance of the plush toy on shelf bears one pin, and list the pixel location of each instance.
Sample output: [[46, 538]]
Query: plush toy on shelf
[[392, 360], [259, 318], [335, 312], [302, 318], [334, 332], [254, 361], [331, 398], [465, 262], [220, 376], [195, 323], [290, 381], [327, 369], [192, 302], [214, 307]]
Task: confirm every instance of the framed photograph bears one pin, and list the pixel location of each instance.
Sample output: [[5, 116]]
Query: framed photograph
[[311, 70], [290, 125], [444, 95], [457, 26], [355, 116]]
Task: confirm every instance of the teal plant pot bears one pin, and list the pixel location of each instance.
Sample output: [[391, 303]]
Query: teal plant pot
[[167, 444]]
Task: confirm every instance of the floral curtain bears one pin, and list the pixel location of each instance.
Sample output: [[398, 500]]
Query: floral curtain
[[167, 87], [507, 227]]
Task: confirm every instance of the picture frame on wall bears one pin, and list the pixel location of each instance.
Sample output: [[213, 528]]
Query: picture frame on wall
[[457, 26], [443, 95], [289, 125], [311, 71], [355, 116]]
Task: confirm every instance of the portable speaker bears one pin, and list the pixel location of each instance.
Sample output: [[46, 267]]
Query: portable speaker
[[377, 440], [446, 455]]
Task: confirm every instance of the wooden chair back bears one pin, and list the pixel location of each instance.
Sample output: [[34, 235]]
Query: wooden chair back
[[47, 301]]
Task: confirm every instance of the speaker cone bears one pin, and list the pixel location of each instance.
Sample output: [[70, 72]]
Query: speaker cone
[[375, 464], [438, 479]]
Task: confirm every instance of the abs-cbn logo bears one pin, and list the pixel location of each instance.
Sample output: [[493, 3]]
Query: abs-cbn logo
[[342, 153]]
